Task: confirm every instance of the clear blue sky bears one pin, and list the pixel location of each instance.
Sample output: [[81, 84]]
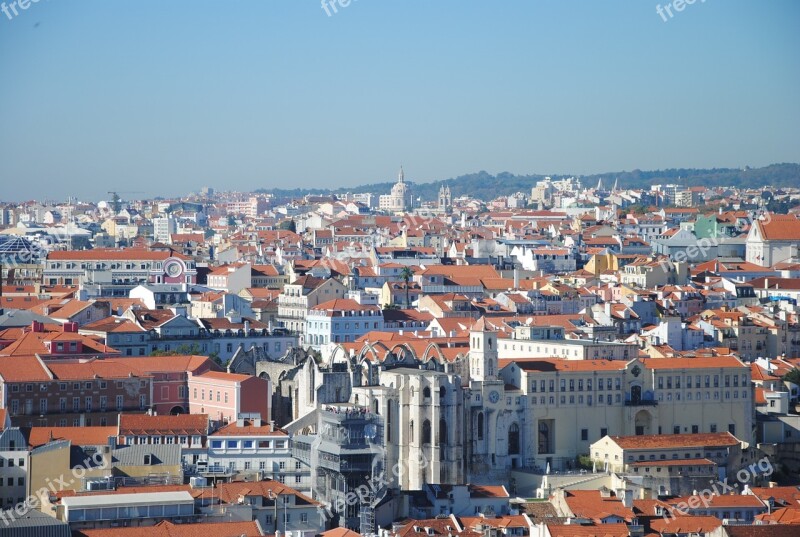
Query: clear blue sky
[[165, 97]]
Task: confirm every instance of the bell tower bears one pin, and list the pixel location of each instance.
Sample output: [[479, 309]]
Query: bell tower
[[482, 351]]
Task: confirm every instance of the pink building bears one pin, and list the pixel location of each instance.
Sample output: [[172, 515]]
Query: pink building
[[225, 396], [171, 376]]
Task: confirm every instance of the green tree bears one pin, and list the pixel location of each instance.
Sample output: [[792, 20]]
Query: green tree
[[407, 274], [288, 225], [793, 376], [181, 350]]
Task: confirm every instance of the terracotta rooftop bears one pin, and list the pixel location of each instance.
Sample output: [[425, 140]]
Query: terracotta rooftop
[[249, 429], [78, 436], [779, 227], [168, 529], [577, 530], [591, 504], [137, 424], [102, 254], [675, 441], [685, 524]]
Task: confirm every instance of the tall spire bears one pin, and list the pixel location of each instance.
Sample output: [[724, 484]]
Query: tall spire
[[401, 177]]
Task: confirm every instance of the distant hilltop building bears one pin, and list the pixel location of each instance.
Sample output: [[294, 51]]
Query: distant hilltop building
[[400, 200], [445, 200]]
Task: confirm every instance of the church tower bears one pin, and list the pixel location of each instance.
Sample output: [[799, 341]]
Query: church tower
[[482, 351], [445, 200]]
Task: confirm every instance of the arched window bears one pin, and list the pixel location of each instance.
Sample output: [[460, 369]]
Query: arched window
[[480, 425], [426, 393], [442, 392], [389, 420], [513, 439], [442, 431], [311, 387], [411, 430], [544, 438], [426, 432]]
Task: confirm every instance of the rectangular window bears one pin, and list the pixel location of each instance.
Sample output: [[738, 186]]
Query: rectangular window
[[584, 434]]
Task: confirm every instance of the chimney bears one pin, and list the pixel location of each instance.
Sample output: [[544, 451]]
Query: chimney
[[71, 328], [516, 278], [257, 421], [766, 283]]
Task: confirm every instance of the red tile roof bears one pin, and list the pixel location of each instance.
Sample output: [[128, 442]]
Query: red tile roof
[[694, 363], [138, 424], [249, 429], [78, 436], [560, 364], [230, 492], [592, 505], [23, 369], [675, 441], [576, 530], [95, 369], [168, 529], [102, 254], [779, 227], [686, 524], [171, 364]]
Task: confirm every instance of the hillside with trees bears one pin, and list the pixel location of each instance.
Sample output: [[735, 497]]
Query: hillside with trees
[[486, 186]]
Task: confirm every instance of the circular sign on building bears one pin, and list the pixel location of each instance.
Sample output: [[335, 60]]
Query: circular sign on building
[[174, 267]]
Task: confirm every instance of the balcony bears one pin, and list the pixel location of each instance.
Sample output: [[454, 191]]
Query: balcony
[[344, 465]]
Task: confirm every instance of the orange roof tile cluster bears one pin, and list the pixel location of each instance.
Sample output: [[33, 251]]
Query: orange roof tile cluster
[[249, 428], [559, 364], [719, 501], [231, 492], [78, 436], [676, 441], [577, 530], [168, 529], [694, 363], [593, 505], [144, 424], [94, 369], [779, 227], [103, 254], [686, 525], [783, 516], [444, 527]]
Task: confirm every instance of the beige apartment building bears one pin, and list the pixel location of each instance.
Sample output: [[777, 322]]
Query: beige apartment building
[[561, 406]]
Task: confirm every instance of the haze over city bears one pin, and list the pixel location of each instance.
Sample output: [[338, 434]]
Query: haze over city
[[168, 96]]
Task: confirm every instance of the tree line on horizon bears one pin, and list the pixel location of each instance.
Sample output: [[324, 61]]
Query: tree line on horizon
[[486, 186]]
